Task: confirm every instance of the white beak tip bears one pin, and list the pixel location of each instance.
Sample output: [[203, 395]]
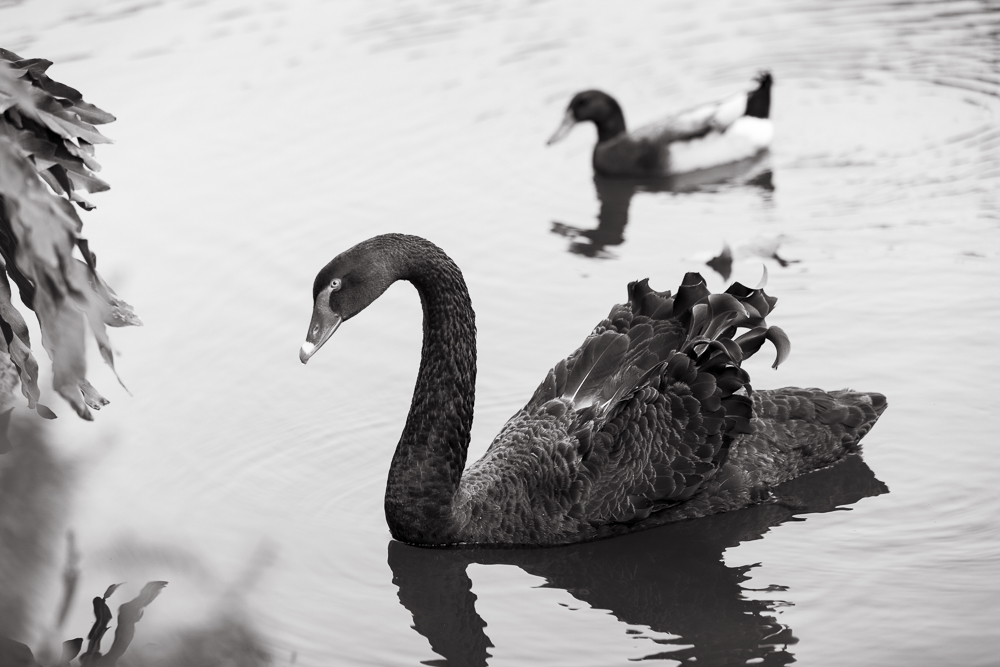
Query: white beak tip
[[307, 350]]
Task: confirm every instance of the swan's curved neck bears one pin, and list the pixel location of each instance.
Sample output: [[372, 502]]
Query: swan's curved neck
[[430, 457]]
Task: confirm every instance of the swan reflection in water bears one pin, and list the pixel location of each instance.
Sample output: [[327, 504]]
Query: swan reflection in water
[[671, 579], [615, 196]]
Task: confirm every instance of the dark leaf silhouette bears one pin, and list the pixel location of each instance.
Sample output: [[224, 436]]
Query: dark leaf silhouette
[[96, 634], [71, 648], [16, 654], [723, 263], [111, 589], [128, 615], [47, 137]]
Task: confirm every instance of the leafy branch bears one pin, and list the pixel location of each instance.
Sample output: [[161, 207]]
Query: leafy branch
[[47, 138]]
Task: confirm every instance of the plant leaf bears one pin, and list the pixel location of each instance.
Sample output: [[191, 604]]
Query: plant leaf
[[102, 617], [128, 615], [16, 344], [47, 134]]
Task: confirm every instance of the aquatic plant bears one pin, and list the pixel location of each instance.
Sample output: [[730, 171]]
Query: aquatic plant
[[47, 138]]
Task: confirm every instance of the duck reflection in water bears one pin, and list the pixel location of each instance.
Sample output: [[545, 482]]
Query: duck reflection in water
[[615, 196], [670, 579]]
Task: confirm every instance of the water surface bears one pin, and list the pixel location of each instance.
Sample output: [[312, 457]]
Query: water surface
[[257, 140]]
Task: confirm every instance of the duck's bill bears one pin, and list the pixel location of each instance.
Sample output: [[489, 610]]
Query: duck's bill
[[324, 323], [567, 125]]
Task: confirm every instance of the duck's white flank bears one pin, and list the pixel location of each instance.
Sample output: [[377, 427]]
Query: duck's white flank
[[729, 111], [714, 115], [746, 137]]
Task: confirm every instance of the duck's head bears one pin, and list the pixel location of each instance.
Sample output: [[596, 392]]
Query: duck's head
[[345, 287], [597, 107]]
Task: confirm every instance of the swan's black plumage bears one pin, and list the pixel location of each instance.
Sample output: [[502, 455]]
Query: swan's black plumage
[[651, 420]]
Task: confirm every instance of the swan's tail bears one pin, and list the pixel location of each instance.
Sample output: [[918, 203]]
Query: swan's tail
[[759, 101], [824, 426]]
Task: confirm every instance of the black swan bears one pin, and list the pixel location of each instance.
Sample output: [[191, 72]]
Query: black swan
[[651, 420], [705, 136]]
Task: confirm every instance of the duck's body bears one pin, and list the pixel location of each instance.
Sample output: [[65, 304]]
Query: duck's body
[[706, 136], [650, 420]]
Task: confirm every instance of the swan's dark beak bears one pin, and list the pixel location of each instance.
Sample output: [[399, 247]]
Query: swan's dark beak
[[568, 122], [324, 323]]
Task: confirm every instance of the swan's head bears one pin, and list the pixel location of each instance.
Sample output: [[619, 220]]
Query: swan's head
[[592, 105], [343, 288]]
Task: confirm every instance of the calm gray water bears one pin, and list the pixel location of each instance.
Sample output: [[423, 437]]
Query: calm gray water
[[256, 140]]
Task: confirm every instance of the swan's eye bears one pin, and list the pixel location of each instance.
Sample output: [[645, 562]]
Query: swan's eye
[[335, 284]]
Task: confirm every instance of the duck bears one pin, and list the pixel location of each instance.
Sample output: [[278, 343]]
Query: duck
[[706, 136], [651, 420]]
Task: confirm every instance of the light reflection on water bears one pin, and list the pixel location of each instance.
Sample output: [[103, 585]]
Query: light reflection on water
[[257, 141]]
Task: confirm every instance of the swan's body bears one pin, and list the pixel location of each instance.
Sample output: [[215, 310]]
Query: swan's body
[[707, 136], [650, 420]]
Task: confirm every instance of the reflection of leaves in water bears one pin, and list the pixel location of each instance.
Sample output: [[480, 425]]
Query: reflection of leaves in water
[[672, 580], [34, 498], [35, 487], [4, 424], [128, 615], [71, 576], [16, 654]]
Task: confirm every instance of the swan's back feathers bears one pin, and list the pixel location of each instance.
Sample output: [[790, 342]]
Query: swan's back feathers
[[599, 362], [654, 397], [687, 337]]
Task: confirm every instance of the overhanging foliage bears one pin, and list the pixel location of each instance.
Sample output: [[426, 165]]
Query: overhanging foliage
[[47, 138]]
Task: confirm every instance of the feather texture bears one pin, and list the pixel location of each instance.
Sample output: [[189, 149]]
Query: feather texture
[[652, 419], [600, 359]]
